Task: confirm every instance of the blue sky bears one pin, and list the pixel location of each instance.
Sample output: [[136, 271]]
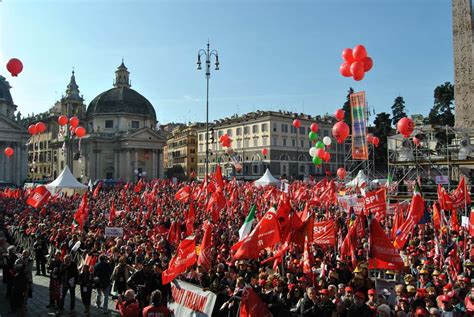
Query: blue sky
[[273, 54]]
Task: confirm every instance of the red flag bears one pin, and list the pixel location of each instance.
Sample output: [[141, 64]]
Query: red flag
[[184, 258], [216, 203], [112, 212], [349, 245], [417, 206], [174, 233], [139, 186], [251, 304], [38, 197], [264, 235], [444, 199], [219, 181], [403, 232], [398, 221], [190, 219], [205, 255], [454, 220], [81, 213], [471, 223], [381, 247], [460, 196], [97, 190], [376, 202], [325, 233], [183, 194], [436, 216], [381, 265], [307, 258]]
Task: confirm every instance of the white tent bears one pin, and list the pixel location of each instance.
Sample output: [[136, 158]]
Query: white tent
[[65, 180], [267, 179]]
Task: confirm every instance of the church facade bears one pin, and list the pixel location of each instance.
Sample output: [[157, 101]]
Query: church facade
[[12, 134]]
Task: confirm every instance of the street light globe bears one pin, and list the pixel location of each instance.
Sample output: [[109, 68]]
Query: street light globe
[[135, 171], [144, 173]]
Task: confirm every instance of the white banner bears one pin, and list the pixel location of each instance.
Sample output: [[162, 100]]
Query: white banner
[[191, 300], [113, 232], [465, 222], [346, 202]]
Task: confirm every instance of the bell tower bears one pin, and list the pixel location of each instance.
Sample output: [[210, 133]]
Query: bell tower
[[122, 77], [72, 104]]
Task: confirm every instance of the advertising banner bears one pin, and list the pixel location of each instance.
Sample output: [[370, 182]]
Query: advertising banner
[[191, 300], [359, 126], [324, 233]]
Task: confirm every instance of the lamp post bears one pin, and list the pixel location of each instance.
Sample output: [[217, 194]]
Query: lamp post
[[207, 53]]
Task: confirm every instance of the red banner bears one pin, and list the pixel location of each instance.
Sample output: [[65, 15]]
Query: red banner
[[460, 197], [39, 196], [375, 202], [324, 233], [185, 257], [381, 247]]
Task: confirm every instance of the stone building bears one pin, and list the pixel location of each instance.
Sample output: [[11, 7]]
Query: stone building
[[122, 141], [182, 151], [287, 146], [12, 134]]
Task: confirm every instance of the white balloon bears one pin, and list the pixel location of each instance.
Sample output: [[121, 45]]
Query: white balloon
[[312, 151], [327, 140]]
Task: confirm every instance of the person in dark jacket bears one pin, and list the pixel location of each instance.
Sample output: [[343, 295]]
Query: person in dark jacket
[[359, 308], [19, 292], [102, 275], [54, 281], [41, 250], [69, 275], [86, 282], [309, 306], [8, 269], [327, 307]]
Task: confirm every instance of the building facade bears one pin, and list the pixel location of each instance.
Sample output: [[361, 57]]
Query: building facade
[[13, 169], [288, 147], [182, 151]]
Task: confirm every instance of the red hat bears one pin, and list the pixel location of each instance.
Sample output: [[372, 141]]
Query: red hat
[[403, 299], [324, 291], [422, 292], [448, 287], [348, 289], [444, 298], [360, 295], [371, 291], [420, 311]]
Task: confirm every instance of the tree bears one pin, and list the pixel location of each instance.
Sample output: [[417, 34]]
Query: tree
[[382, 129], [443, 106], [347, 108], [398, 110]]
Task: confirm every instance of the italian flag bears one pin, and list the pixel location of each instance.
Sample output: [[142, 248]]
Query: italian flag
[[247, 226]]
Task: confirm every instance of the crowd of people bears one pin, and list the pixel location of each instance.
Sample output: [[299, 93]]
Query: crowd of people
[[435, 281]]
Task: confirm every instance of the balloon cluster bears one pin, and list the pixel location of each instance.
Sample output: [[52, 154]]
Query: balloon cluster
[[340, 130], [371, 139], [405, 126], [9, 151], [318, 151], [225, 140], [356, 62], [37, 128], [14, 66], [74, 125]]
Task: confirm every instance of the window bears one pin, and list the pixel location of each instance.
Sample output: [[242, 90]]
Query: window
[[192, 159], [220, 133], [255, 142], [201, 137], [229, 132], [264, 127], [274, 127], [109, 124], [275, 141], [293, 142], [246, 130], [192, 151], [255, 128], [284, 128], [284, 142], [246, 143], [255, 169], [264, 141], [302, 168], [325, 132], [135, 124], [302, 130], [239, 131], [293, 129], [302, 143], [239, 144]]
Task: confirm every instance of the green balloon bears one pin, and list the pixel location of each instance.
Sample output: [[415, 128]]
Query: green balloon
[[317, 160], [320, 145], [313, 136]]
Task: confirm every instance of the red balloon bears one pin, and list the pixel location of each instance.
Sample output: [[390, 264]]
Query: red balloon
[[80, 132], [314, 127], [405, 126], [62, 120], [340, 131], [74, 122], [339, 114], [347, 55], [320, 153], [9, 151], [416, 141], [345, 69], [376, 141], [32, 129], [14, 66], [297, 123], [359, 53], [368, 63], [341, 172], [264, 151], [357, 69], [358, 77], [327, 157], [370, 138], [40, 127]]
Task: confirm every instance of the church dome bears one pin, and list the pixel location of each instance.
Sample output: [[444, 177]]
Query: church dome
[[121, 100], [5, 91]]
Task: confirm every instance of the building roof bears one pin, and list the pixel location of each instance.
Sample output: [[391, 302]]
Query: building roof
[[121, 100], [5, 91]]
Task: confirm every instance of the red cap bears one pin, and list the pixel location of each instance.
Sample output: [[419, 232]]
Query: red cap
[[324, 292], [445, 298], [403, 299], [421, 312], [360, 295], [421, 292], [448, 287], [371, 291], [348, 289]]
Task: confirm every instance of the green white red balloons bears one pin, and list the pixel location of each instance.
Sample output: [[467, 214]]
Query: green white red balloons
[[314, 127], [297, 123], [74, 122], [40, 127], [339, 114], [32, 129], [62, 120], [80, 132], [264, 151], [356, 62], [327, 141]]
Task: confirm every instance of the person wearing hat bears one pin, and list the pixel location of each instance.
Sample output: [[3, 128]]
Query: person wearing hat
[[424, 280], [404, 305], [372, 302], [444, 304], [359, 308], [327, 307], [420, 311]]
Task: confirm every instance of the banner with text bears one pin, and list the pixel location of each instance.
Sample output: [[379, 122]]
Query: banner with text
[[113, 232], [191, 300], [324, 233], [359, 126]]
